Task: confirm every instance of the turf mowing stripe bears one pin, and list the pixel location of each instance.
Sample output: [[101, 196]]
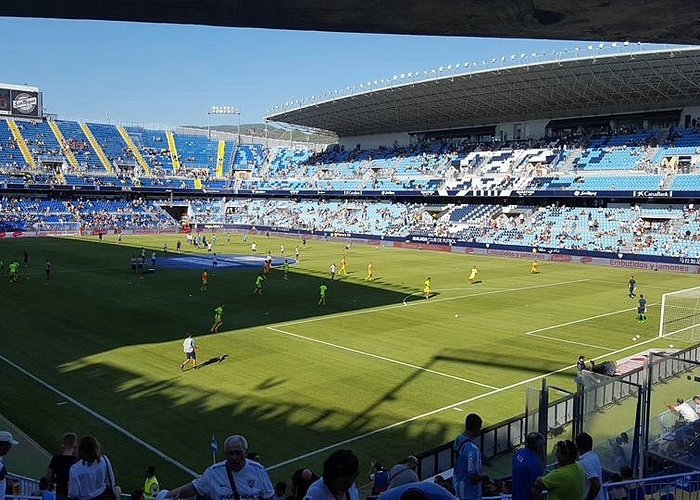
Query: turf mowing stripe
[[376, 356], [417, 302], [546, 337], [582, 320], [449, 407], [102, 418]]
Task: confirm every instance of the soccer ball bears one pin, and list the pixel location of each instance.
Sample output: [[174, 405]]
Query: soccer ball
[[670, 345], [456, 315], [190, 295]]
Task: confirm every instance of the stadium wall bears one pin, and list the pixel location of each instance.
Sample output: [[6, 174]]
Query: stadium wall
[[533, 129]]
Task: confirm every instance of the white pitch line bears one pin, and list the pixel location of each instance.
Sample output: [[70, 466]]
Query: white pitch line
[[448, 407], [418, 302], [102, 418], [547, 337], [405, 299], [376, 356]]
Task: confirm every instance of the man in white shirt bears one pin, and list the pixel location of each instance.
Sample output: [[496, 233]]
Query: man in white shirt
[[340, 470], [589, 460], [6, 444], [684, 410], [235, 478], [189, 347]]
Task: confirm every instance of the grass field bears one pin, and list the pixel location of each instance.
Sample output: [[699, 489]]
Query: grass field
[[379, 369]]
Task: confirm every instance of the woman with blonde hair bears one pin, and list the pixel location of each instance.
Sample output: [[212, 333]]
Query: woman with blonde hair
[[92, 476]]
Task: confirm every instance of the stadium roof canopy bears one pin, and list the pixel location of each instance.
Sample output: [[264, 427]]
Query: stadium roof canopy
[[511, 91], [667, 21]]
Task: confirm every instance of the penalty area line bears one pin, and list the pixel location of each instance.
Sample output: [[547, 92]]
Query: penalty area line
[[382, 358], [448, 407], [100, 417]]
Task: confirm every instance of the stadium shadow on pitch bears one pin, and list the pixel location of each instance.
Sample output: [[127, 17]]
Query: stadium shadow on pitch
[[94, 304]]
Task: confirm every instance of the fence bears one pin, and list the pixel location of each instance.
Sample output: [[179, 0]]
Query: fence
[[506, 436]]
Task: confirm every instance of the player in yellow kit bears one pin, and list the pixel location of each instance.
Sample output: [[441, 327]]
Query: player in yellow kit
[[427, 288], [370, 271], [472, 276], [343, 267], [535, 267]]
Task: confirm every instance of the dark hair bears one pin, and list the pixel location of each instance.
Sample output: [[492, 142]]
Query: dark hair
[[414, 494], [150, 470], [534, 441], [584, 442], [89, 450], [567, 449], [281, 487], [69, 439], [43, 484], [136, 494], [624, 437], [472, 423], [626, 471], [340, 463]]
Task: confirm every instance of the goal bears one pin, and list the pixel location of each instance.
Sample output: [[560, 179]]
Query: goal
[[680, 315]]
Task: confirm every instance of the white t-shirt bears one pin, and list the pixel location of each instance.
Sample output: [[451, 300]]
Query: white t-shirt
[[319, 491], [188, 345], [592, 468], [688, 413], [3, 479], [88, 481], [252, 482]]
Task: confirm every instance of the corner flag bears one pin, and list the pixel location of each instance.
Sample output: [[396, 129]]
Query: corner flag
[[214, 445]]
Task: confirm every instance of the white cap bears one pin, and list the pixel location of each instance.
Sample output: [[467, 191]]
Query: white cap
[[6, 437]]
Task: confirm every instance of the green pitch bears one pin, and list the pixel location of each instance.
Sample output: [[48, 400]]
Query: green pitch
[[379, 368]]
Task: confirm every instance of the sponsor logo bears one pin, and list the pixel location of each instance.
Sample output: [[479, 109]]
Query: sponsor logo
[[561, 258], [389, 192], [427, 193], [527, 192], [654, 194], [434, 239], [258, 191], [585, 193], [25, 103], [586, 260], [293, 191], [320, 192], [17, 234], [468, 250], [686, 260]]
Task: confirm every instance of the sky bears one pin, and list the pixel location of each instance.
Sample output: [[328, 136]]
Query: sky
[[171, 74]]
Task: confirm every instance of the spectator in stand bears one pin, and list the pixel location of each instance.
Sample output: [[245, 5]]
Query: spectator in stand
[[340, 470], [568, 480], [280, 491], [6, 444], [527, 466], [423, 490], [379, 476], [404, 472], [92, 476], [59, 467], [468, 472], [151, 487], [235, 477], [301, 480], [46, 490], [590, 462]]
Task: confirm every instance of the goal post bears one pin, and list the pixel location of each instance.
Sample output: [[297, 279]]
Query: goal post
[[680, 315]]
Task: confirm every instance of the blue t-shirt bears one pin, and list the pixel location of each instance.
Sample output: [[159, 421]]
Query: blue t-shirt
[[434, 491], [468, 463], [526, 469]]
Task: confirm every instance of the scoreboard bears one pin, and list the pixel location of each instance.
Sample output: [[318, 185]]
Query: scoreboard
[[20, 101]]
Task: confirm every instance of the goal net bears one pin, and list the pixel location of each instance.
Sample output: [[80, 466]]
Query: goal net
[[680, 315]]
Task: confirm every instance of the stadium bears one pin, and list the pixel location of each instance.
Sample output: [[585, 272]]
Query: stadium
[[477, 229]]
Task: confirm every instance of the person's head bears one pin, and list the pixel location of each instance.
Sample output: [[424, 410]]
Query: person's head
[[89, 450], [43, 484], [254, 456], [68, 441], [680, 401], [411, 462], [307, 475], [138, 495], [582, 358], [584, 442], [150, 471], [414, 494], [641, 296], [534, 442], [6, 442], [235, 449], [472, 425], [624, 437], [696, 400], [280, 489], [626, 472], [566, 452], [340, 470]]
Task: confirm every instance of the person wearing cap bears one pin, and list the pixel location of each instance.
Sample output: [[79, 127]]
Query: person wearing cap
[[152, 486], [404, 472], [235, 477], [340, 470], [6, 444]]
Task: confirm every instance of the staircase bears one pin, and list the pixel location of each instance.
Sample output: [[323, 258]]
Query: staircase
[[173, 151], [61, 178], [568, 165], [137, 154], [17, 135], [220, 160], [96, 146], [671, 176], [198, 183], [67, 153]]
